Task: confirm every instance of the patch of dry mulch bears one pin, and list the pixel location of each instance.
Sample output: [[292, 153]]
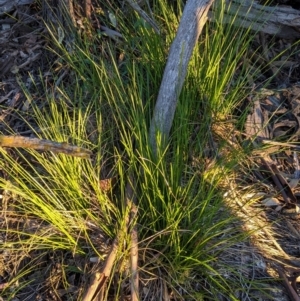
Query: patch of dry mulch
[[266, 191], [273, 129], [24, 63]]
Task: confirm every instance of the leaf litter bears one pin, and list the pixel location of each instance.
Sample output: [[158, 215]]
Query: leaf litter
[[273, 128]]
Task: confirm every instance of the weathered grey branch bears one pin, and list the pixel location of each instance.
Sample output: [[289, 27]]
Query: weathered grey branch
[[192, 21], [143, 14], [282, 21]]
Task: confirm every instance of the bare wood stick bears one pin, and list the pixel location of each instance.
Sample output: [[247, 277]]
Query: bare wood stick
[[280, 182], [134, 251], [282, 21], [293, 295], [100, 278], [276, 180], [132, 204], [44, 145], [143, 14], [192, 21]]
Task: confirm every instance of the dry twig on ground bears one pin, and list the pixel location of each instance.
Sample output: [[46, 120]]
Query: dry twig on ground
[[97, 287], [44, 145]]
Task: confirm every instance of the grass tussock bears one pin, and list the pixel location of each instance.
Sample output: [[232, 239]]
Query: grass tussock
[[54, 206]]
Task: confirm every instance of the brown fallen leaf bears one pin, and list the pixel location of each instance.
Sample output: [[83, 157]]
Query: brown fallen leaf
[[255, 125]]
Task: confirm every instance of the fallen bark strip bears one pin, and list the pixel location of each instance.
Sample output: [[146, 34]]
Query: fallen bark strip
[[192, 21], [282, 21], [44, 145]]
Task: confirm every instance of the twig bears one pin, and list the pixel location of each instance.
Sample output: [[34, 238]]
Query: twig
[[99, 278], [132, 203], [279, 182], [28, 61], [44, 145], [111, 33], [144, 15], [293, 295], [134, 260]]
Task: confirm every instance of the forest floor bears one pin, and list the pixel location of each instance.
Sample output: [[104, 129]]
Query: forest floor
[[274, 172]]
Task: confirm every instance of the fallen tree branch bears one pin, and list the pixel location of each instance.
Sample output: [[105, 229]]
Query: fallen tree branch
[[143, 15], [99, 278], [192, 21], [44, 145], [292, 293], [282, 21]]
